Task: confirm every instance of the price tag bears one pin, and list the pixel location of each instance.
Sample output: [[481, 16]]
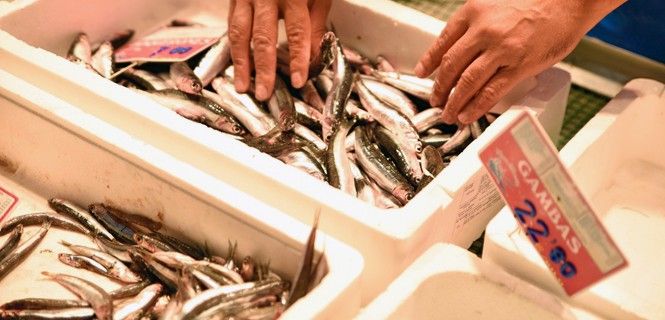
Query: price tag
[[170, 44], [7, 203], [549, 206]]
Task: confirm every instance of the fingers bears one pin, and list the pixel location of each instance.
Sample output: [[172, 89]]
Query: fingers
[[454, 30], [471, 80], [240, 31], [298, 33], [318, 16], [497, 87], [264, 40], [452, 64]]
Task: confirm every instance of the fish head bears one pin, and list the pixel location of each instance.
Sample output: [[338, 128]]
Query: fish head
[[403, 193], [418, 147]]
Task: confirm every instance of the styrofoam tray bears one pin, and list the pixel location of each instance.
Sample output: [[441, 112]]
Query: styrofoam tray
[[388, 239], [619, 164], [450, 282], [51, 149]]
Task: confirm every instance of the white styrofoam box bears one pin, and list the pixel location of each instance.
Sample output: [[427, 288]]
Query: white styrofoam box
[[617, 161], [388, 239], [452, 283], [52, 149]]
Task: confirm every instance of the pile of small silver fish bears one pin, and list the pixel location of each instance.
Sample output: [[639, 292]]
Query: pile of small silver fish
[[363, 128], [162, 277]]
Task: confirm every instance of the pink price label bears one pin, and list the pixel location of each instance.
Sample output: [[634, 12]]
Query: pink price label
[[170, 44], [548, 205], [7, 202]]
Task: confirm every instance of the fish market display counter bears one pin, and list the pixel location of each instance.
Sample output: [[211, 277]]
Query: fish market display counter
[[51, 149], [454, 208], [618, 162]]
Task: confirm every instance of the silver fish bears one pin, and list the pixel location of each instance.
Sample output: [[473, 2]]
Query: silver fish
[[456, 141], [281, 106], [214, 61], [80, 49], [116, 269], [22, 251], [353, 109], [138, 306], [39, 304], [38, 218], [334, 109], [311, 96], [427, 119], [146, 79], [82, 262], [129, 290], [392, 97], [339, 168], [476, 130], [115, 249], [436, 140], [432, 165], [226, 89], [407, 163], [12, 242], [324, 84], [102, 60], [80, 214], [310, 136], [254, 125], [97, 298], [184, 78], [421, 88], [307, 115], [56, 314], [380, 169]]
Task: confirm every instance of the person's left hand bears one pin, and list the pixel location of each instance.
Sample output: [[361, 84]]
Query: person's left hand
[[255, 21]]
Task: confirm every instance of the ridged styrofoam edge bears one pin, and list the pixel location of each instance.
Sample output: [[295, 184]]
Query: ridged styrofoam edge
[[388, 239], [439, 278], [339, 291], [506, 245]]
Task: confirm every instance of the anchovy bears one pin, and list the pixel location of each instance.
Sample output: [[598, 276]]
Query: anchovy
[[97, 298], [145, 79], [324, 84], [306, 161], [184, 78], [138, 306], [311, 96], [407, 163], [173, 259], [22, 251], [151, 244], [39, 304], [339, 168], [476, 130], [222, 274], [39, 218], [158, 311], [226, 89], [307, 115], [392, 97], [129, 290], [432, 165], [12, 242], [214, 61], [354, 57], [56, 314], [275, 142], [208, 281], [303, 278], [80, 49], [80, 214], [118, 229], [165, 275], [325, 55], [133, 220], [384, 65], [179, 245], [116, 269], [198, 109], [417, 87], [436, 140], [102, 61], [427, 119], [253, 124], [354, 110], [310, 136], [333, 111], [82, 262], [380, 169], [281, 106], [115, 249], [382, 198], [457, 141]]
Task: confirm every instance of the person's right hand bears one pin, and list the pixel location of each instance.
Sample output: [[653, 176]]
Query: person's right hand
[[488, 46], [255, 21]]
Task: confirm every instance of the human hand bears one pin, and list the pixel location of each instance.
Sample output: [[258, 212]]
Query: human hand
[[255, 21], [488, 46]]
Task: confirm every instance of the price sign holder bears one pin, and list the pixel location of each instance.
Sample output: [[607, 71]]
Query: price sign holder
[[549, 207], [171, 44]]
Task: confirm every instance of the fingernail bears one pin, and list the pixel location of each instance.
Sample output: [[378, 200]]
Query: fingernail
[[419, 70], [297, 80], [239, 84], [465, 118], [435, 101], [261, 92]]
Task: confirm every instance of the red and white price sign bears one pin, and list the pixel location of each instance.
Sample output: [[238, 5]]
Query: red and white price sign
[[170, 44], [7, 202], [549, 206]]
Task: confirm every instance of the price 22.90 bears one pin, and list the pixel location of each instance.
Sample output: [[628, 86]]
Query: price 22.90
[[557, 254]]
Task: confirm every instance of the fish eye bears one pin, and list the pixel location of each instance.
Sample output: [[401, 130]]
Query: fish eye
[[237, 128], [409, 196]]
